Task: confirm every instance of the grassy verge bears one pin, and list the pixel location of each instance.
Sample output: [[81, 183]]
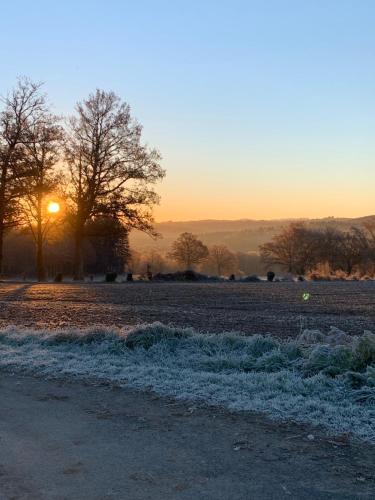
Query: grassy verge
[[322, 379]]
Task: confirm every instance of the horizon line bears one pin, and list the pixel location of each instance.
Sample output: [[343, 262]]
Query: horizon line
[[170, 221]]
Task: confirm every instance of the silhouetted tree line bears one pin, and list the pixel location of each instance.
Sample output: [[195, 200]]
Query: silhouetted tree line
[[95, 168], [188, 252], [105, 249], [299, 249]]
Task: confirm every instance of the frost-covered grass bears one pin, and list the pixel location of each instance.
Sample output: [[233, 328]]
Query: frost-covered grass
[[322, 379]]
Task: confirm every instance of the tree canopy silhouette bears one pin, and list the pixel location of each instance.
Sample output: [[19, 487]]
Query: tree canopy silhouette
[[24, 108], [111, 171], [188, 250]]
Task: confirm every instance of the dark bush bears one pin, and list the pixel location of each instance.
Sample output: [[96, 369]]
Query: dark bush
[[58, 278], [110, 277], [270, 276], [129, 277], [190, 275], [252, 278], [164, 277], [187, 275]]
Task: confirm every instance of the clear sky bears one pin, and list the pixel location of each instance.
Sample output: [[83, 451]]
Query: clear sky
[[261, 109]]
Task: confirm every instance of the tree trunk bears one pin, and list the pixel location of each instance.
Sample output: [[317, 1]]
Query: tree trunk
[[1, 247], [2, 213], [78, 274], [40, 269]]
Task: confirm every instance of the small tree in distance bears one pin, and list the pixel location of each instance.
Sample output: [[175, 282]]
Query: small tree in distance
[[294, 249], [221, 259], [188, 250]]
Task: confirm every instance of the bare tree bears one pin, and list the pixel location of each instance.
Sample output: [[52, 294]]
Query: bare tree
[[353, 250], [188, 250], [111, 170], [294, 249], [221, 259], [154, 261], [22, 108], [369, 225], [367, 243], [330, 243], [42, 149], [298, 249]]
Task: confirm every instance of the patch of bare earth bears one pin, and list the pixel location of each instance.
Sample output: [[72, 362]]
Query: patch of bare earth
[[250, 308]]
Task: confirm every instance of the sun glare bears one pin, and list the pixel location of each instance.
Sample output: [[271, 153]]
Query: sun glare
[[53, 207]]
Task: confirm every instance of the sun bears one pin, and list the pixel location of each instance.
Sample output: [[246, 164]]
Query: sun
[[53, 207]]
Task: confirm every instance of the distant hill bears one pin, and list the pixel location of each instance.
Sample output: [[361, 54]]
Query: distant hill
[[244, 235]]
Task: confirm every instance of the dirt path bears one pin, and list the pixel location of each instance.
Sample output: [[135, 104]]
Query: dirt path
[[60, 440]]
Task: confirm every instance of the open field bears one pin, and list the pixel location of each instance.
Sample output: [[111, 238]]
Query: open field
[[250, 308]]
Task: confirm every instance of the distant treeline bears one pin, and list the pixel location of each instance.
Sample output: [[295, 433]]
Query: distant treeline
[[297, 249], [106, 249], [302, 250]]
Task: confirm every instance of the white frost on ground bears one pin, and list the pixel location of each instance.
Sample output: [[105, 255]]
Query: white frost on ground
[[320, 379]]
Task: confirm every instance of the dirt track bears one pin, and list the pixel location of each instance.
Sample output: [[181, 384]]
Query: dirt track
[[251, 308], [77, 442]]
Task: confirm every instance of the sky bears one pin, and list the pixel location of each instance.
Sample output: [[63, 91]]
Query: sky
[[261, 109]]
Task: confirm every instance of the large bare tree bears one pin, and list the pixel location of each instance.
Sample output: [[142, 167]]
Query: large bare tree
[[22, 107], [112, 172], [41, 154]]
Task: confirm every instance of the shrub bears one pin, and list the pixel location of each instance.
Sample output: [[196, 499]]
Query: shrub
[[187, 275], [364, 351], [293, 351], [336, 336], [190, 275], [110, 277], [58, 278], [270, 276], [252, 278], [259, 345], [147, 336], [328, 360], [272, 361], [357, 379], [309, 337]]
